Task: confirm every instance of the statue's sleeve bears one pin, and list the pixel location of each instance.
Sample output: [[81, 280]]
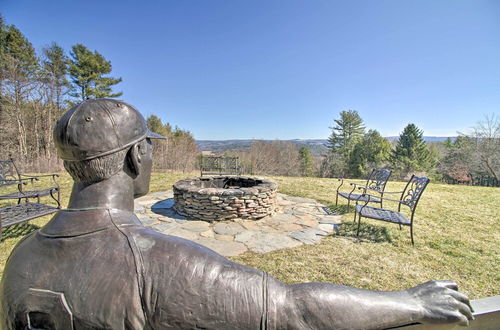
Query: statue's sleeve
[[185, 285]]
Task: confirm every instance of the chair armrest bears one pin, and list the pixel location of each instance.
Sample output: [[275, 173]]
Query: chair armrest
[[384, 198], [365, 188], [385, 192], [343, 179], [362, 185]]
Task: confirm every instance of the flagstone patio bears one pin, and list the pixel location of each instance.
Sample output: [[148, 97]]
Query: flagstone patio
[[298, 221]]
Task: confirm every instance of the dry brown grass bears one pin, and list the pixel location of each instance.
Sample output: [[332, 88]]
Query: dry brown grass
[[456, 233]]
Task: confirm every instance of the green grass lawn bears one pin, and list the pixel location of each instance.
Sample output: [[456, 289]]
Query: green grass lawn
[[456, 229]]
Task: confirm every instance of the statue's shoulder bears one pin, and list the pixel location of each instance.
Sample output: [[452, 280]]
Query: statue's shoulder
[[167, 251]]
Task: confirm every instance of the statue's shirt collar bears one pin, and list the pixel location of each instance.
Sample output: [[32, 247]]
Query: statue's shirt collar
[[69, 223]]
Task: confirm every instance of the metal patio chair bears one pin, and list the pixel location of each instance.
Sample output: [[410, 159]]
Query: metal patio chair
[[409, 197], [375, 184]]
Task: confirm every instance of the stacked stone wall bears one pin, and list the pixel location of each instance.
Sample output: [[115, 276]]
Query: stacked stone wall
[[217, 204]]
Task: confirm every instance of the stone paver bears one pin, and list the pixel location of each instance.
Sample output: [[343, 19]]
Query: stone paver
[[183, 233], [308, 235], [245, 236], [228, 228], [148, 221], [226, 248], [165, 227], [298, 221], [327, 227], [196, 226], [267, 242]]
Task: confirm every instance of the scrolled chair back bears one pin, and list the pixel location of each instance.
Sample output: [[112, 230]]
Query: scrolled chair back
[[378, 179], [413, 190]]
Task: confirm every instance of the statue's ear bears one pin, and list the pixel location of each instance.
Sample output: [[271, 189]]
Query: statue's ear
[[134, 157]]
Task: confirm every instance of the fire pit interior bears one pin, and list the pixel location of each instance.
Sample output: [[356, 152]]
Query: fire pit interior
[[224, 198]]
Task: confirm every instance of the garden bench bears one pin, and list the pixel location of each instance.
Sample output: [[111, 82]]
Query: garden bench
[[375, 183], [409, 197], [23, 188], [220, 165]]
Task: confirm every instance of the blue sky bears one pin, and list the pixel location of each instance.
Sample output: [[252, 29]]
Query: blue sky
[[285, 69]]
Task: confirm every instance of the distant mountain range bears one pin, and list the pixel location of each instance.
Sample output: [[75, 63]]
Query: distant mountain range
[[318, 147]]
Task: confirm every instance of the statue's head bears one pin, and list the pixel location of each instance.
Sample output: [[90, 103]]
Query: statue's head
[[99, 138]]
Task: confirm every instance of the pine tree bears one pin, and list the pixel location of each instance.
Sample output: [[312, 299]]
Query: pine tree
[[371, 152], [156, 125], [346, 133], [411, 152], [306, 162], [87, 70]]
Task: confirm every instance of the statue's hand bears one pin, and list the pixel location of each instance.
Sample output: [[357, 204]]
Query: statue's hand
[[441, 302]]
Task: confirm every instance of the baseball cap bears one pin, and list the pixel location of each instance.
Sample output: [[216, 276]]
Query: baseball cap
[[99, 127]]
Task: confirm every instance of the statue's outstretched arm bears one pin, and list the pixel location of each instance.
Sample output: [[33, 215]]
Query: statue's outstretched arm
[[328, 306], [215, 293]]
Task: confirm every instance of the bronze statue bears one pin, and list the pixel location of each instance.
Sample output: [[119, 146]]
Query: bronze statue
[[94, 266]]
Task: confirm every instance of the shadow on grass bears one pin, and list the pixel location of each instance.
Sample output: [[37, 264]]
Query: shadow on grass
[[340, 209], [367, 232], [19, 230]]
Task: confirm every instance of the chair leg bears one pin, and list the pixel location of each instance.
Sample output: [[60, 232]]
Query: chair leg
[[337, 198], [348, 203], [411, 235], [359, 224], [354, 220]]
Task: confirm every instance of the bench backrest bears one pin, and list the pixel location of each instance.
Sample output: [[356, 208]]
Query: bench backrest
[[378, 179], [413, 191], [220, 165]]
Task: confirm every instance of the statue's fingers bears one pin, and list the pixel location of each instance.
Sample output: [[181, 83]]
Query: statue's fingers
[[462, 298], [462, 320], [465, 310], [449, 284]]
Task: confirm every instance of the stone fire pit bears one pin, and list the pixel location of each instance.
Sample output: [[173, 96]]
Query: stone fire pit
[[225, 198]]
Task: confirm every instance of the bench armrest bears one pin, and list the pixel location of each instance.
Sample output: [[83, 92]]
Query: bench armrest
[[6, 183], [22, 180], [36, 177], [54, 175]]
